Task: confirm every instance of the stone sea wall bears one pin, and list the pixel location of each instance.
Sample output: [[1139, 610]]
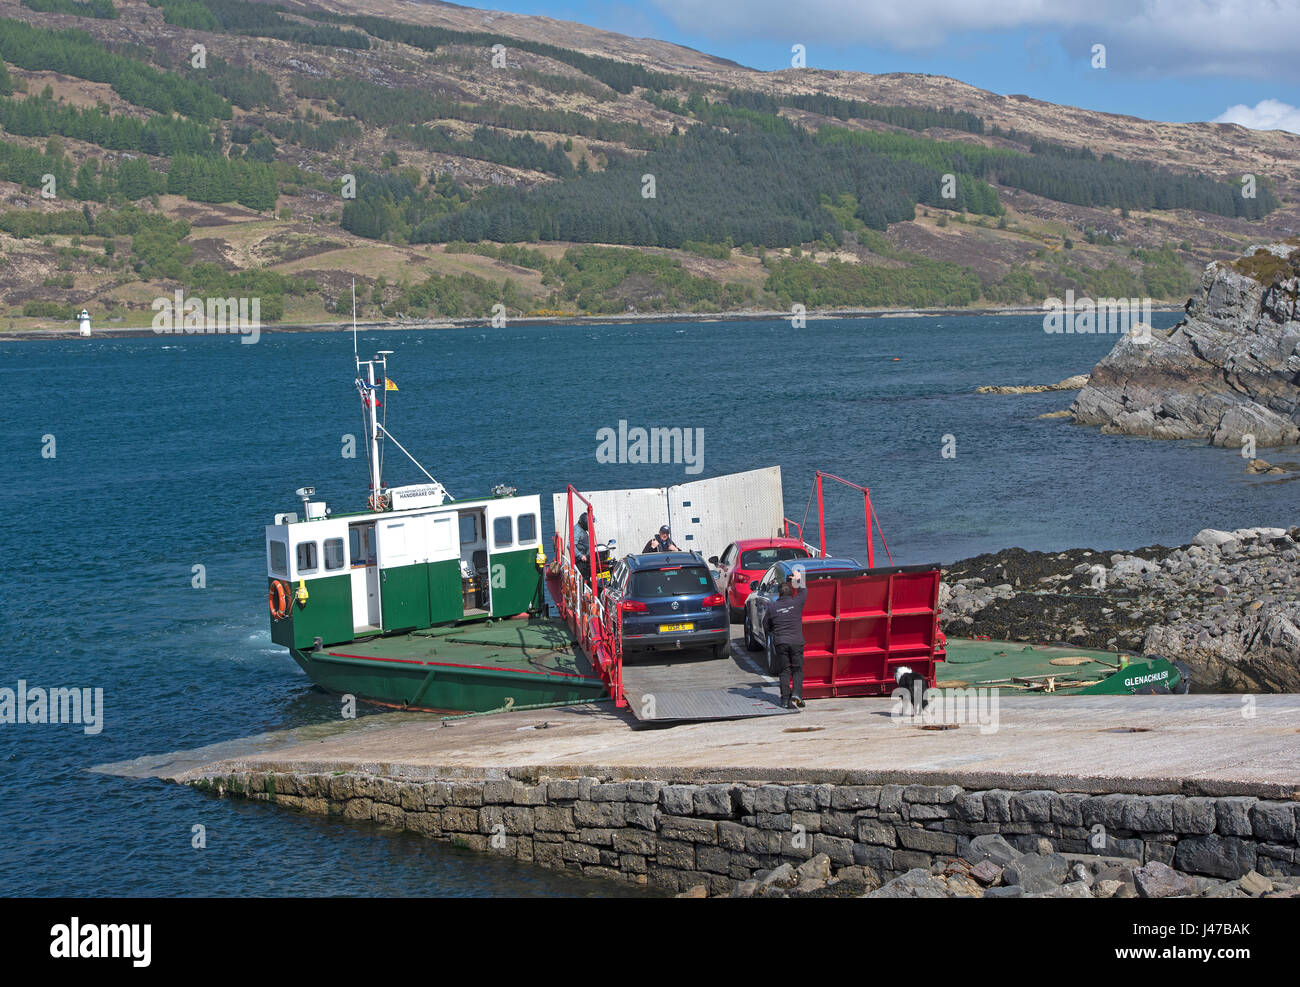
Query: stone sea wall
[[730, 837]]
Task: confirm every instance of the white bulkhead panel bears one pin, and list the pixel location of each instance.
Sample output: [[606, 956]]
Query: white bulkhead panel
[[708, 515], [704, 515]]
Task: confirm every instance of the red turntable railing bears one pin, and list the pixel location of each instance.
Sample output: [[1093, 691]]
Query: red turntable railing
[[598, 627], [861, 625]]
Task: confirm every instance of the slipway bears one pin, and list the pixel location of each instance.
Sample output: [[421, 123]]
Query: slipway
[[687, 687]]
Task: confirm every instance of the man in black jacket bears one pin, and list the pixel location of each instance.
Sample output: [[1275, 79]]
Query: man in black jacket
[[662, 542], [783, 624]]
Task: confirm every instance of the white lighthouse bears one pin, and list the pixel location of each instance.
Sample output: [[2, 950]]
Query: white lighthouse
[[83, 323]]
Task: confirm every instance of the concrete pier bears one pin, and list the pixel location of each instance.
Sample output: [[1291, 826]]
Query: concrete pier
[[1208, 784]]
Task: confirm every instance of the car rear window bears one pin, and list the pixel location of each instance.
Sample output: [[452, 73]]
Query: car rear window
[[765, 558], [687, 580]]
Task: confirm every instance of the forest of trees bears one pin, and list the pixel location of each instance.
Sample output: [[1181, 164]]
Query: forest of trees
[[516, 151], [76, 53], [200, 179], [390, 206], [839, 285], [164, 135], [246, 88], [382, 106], [1065, 175], [620, 76], [101, 9], [908, 117], [250, 183], [324, 135], [758, 188], [261, 20]]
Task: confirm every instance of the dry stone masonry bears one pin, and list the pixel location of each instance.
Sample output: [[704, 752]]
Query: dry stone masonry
[[756, 838]]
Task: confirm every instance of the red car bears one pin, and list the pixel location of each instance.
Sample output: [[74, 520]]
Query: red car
[[744, 562]]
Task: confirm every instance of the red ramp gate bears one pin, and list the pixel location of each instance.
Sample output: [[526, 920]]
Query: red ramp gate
[[859, 627]]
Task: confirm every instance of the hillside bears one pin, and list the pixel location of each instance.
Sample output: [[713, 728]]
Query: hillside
[[452, 159]]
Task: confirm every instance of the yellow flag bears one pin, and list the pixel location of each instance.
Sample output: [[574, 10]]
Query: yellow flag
[[389, 385]]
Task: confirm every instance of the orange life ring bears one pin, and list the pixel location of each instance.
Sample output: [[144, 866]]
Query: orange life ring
[[278, 598]]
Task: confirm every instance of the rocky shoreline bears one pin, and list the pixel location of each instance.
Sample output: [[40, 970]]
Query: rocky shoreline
[[1227, 603], [1229, 372], [993, 868]]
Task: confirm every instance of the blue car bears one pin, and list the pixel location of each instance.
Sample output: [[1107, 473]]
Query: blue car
[[765, 592], [669, 601]]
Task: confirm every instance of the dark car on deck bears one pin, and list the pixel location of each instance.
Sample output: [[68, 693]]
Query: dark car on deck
[[669, 601], [766, 591]]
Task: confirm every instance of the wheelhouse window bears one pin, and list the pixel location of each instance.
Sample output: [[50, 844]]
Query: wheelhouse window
[[306, 557], [503, 532], [333, 554], [527, 528], [468, 529], [279, 559], [361, 545]]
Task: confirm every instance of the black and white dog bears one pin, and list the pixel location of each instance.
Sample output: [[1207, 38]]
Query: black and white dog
[[912, 684]]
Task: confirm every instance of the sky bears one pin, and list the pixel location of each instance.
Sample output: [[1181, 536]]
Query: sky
[[1175, 60]]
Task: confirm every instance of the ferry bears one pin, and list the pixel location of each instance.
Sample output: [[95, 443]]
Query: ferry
[[420, 600], [424, 601]]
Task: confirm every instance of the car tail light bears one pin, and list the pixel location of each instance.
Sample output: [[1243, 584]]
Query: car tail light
[[716, 600], [741, 579], [634, 606]]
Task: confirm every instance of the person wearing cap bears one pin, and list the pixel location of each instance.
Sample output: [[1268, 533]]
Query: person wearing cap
[[662, 542], [783, 624]]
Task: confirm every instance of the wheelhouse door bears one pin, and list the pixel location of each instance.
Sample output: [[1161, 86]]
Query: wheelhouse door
[[403, 572], [365, 578], [474, 562]]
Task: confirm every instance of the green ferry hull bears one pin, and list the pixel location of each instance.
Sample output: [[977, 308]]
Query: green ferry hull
[[468, 668], [443, 689], [1016, 666]]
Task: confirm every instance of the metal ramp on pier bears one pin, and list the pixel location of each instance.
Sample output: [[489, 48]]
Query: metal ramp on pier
[[675, 687]]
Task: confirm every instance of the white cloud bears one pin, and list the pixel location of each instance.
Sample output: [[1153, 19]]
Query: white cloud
[[1267, 114], [1186, 37]]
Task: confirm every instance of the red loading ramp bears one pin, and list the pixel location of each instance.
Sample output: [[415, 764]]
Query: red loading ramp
[[860, 626]]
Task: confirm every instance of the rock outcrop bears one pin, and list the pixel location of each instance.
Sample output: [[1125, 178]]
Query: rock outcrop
[[1228, 604], [1229, 370], [1069, 384]]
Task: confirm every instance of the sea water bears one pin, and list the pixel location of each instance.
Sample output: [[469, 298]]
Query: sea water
[[138, 475]]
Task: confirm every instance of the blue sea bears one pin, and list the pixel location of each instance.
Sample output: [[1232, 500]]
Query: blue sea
[[169, 453]]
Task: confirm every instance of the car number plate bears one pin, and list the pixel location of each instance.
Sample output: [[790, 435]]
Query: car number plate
[[670, 628]]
